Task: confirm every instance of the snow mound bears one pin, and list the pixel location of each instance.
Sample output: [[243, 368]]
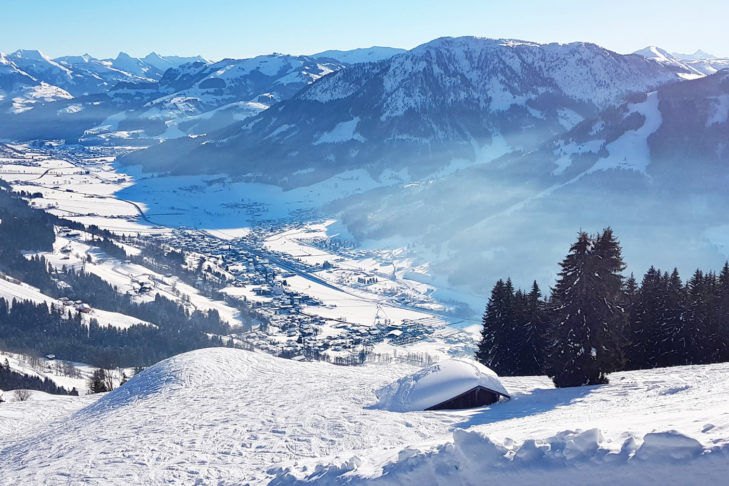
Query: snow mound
[[569, 457], [191, 371], [211, 416], [436, 384]]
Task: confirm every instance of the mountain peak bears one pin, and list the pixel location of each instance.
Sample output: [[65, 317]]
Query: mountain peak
[[123, 56], [699, 55], [655, 52], [30, 54]]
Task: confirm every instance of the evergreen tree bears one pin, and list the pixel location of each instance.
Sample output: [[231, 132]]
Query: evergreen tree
[[613, 319], [670, 341], [496, 346], [702, 343], [98, 381], [533, 323], [646, 320], [722, 312], [586, 332]]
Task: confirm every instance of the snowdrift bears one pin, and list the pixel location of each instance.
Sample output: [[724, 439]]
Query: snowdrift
[[585, 458], [437, 383]]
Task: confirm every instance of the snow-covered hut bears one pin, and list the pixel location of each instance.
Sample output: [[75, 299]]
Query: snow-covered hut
[[449, 384], [84, 308]]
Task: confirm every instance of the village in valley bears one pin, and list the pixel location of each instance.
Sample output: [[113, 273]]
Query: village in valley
[[286, 288]]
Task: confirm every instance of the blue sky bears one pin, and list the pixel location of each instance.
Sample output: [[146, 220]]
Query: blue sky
[[217, 29]]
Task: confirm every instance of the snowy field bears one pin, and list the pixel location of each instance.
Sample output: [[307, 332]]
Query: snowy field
[[222, 416]]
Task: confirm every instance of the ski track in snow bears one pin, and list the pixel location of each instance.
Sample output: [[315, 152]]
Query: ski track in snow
[[223, 416]]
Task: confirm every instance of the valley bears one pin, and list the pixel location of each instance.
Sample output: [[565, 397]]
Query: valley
[[311, 295]]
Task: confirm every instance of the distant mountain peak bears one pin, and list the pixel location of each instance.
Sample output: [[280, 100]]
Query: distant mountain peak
[[655, 52], [696, 56], [30, 54], [359, 55]]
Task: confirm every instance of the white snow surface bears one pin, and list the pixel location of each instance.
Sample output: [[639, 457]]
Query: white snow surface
[[631, 150], [342, 132], [225, 416], [437, 383]]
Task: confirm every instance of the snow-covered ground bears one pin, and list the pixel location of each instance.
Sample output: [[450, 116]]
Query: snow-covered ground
[[223, 416], [11, 290]]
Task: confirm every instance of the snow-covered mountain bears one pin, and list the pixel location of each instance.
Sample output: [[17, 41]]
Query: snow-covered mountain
[[20, 91], [698, 64], [163, 63], [200, 97], [356, 56], [446, 99], [103, 99], [135, 66]]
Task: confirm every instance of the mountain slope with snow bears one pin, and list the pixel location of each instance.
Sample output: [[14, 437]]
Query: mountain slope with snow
[[417, 111], [698, 64], [230, 417]]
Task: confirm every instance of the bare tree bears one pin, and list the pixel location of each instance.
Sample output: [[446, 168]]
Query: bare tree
[[22, 395], [109, 380]]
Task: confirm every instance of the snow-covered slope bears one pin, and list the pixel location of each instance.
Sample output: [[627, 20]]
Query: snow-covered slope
[[235, 417]]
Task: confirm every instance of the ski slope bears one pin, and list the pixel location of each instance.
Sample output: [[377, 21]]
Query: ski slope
[[224, 416]]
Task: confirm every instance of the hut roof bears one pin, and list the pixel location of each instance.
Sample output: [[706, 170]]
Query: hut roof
[[437, 383]]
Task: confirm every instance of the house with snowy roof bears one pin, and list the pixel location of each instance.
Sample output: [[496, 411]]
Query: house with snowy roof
[[449, 384]]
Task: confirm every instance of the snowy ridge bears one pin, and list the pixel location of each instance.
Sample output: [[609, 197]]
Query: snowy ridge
[[496, 68], [357, 56], [697, 64]]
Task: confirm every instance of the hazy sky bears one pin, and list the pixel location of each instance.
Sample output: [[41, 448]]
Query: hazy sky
[[217, 28]]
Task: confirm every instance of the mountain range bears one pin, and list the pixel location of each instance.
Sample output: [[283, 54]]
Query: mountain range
[[486, 154]]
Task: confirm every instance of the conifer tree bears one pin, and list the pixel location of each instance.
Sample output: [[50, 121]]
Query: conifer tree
[[587, 319], [722, 311], [496, 347], [674, 333], [533, 322], [98, 381], [703, 343], [646, 320]]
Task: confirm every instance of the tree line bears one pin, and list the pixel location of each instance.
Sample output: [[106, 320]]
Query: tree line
[[596, 321]]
